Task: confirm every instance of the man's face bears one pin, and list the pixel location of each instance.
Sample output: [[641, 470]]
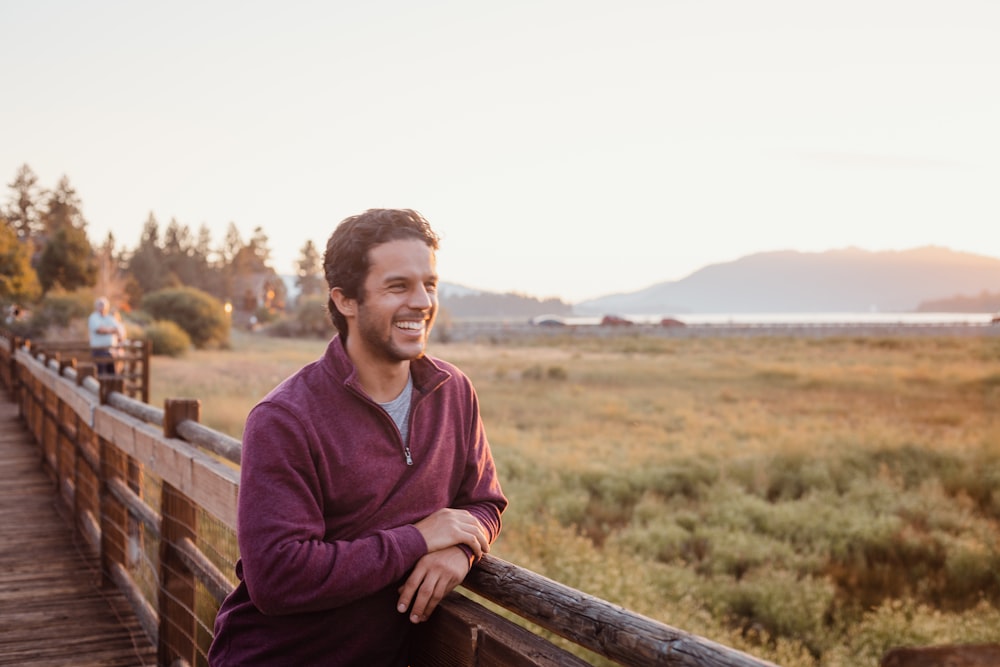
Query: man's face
[[396, 313]]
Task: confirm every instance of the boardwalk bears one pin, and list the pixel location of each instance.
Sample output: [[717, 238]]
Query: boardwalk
[[53, 610]]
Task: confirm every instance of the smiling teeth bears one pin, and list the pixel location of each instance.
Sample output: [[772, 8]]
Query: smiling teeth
[[413, 326]]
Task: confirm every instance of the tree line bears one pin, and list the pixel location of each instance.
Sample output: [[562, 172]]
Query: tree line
[[45, 248]]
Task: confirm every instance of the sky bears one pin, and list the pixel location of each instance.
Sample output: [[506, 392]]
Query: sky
[[561, 148]]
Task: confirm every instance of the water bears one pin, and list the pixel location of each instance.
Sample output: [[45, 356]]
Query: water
[[801, 318]]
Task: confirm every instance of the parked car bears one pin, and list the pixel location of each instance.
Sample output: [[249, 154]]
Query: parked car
[[615, 321]]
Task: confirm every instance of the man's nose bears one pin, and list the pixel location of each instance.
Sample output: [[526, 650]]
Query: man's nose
[[421, 299]]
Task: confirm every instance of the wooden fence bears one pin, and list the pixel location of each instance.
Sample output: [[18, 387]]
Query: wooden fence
[[130, 358], [154, 492]]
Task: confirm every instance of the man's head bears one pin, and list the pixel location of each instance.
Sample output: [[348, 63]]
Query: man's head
[[102, 305], [348, 251]]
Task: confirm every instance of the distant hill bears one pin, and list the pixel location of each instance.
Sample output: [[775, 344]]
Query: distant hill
[[984, 302], [847, 280], [466, 302], [463, 302]]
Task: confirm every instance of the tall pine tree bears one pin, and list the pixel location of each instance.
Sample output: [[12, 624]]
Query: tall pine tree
[[309, 276], [67, 259]]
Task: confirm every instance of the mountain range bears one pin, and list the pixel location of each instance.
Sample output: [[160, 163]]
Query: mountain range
[[844, 280]]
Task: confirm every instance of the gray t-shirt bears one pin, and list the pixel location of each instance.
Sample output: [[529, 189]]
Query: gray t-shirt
[[399, 408]]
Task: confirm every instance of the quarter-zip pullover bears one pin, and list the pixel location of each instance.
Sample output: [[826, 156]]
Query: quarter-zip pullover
[[326, 511]]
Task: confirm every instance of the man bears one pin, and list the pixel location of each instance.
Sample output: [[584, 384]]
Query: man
[[105, 332], [367, 484]]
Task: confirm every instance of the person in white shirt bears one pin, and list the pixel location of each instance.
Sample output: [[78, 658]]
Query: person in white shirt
[[105, 332]]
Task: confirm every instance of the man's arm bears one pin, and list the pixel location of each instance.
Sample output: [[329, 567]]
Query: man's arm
[[480, 502]]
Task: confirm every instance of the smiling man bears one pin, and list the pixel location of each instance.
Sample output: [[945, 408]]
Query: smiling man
[[367, 484]]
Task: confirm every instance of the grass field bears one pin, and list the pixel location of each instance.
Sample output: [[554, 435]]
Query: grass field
[[809, 501]]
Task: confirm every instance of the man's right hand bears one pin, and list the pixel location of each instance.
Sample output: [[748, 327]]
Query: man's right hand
[[449, 527]]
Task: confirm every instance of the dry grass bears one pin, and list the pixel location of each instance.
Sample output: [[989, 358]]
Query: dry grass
[[810, 501]]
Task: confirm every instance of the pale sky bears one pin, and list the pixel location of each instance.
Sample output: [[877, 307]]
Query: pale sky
[[563, 148]]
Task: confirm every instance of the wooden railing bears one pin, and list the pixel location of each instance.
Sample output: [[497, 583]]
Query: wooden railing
[[154, 492], [130, 359]]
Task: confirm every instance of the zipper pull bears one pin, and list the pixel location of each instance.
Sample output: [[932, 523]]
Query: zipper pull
[[409, 459]]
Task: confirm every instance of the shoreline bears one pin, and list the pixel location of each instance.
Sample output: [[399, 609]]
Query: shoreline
[[468, 330]]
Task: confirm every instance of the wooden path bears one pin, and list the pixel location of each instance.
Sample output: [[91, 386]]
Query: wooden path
[[53, 610]]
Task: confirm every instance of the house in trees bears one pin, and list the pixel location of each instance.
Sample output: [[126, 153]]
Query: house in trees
[[261, 290]]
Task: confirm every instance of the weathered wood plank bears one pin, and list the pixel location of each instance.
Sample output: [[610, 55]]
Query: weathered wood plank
[[211, 483], [463, 632], [596, 624]]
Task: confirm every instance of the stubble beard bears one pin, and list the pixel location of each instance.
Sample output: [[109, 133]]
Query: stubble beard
[[382, 343]]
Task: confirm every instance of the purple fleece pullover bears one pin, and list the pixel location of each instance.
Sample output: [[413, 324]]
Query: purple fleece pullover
[[326, 510]]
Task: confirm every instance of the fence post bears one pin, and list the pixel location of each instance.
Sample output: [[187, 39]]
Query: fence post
[[178, 618], [83, 371], [147, 349], [110, 384]]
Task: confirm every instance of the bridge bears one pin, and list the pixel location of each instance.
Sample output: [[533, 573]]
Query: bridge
[[52, 607], [118, 523]]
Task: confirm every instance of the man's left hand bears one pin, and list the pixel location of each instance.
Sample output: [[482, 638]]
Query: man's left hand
[[435, 575]]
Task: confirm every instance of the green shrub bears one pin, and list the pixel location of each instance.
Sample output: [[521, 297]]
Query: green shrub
[[265, 315], [782, 604], [907, 622], [536, 372], [533, 372], [556, 373], [309, 320], [198, 313], [168, 339], [141, 318], [58, 308], [312, 317]]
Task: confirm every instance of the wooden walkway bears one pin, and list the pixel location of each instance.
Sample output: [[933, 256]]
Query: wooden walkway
[[53, 610]]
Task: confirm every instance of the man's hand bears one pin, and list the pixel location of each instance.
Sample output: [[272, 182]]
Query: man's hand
[[435, 575], [449, 527]]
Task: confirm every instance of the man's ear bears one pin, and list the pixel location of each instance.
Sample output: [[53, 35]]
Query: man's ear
[[347, 307]]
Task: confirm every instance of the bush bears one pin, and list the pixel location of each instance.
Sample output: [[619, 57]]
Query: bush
[[198, 313], [310, 320], [59, 308], [782, 604], [167, 338], [313, 318]]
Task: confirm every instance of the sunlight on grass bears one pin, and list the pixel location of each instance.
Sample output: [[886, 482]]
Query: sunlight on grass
[[812, 502]]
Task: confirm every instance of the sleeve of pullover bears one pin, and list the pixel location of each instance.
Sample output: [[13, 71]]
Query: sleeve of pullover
[[288, 566], [480, 493]]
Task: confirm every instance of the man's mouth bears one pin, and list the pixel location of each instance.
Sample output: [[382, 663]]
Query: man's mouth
[[410, 325]]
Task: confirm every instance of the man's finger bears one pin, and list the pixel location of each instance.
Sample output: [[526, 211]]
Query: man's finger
[[409, 588], [427, 599]]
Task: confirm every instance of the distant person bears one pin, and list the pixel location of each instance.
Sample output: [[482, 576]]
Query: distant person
[[104, 331], [367, 486]]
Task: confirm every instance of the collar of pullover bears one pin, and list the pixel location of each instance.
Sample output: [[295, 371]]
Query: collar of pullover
[[426, 373]]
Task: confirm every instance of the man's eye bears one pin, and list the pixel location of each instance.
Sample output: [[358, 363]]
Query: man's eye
[[431, 287]]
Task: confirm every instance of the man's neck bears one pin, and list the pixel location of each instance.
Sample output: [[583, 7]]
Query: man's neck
[[382, 380]]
